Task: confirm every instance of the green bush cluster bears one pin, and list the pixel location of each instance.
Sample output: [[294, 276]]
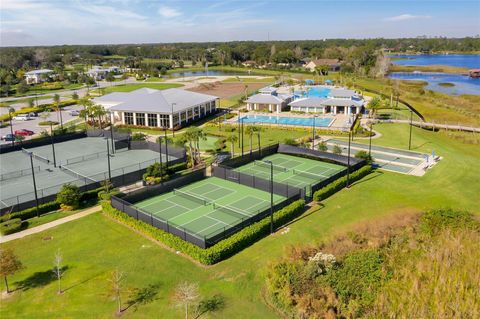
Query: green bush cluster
[[39, 109], [11, 226], [222, 249], [47, 207], [340, 183]]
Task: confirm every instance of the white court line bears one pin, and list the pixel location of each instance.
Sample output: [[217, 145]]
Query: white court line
[[201, 231]]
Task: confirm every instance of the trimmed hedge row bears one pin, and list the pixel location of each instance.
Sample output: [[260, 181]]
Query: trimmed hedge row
[[11, 226], [340, 183], [223, 249], [47, 207]]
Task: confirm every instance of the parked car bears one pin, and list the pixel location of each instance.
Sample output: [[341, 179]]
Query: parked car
[[8, 137], [22, 117], [74, 113], [24, 132]]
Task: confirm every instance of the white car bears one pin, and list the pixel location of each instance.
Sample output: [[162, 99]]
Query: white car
[[22, 117], [74, 113]]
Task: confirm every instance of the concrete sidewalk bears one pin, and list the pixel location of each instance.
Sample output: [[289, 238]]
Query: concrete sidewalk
[[49, 225]]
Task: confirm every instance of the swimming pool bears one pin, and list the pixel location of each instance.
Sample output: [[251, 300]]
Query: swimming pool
[[301, 121], [314, 91]]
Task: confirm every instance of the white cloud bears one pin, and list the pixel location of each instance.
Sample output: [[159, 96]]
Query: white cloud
[[405, 17], [168, 12]]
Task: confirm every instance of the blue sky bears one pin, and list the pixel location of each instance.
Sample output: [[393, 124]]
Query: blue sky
[[51, 22]]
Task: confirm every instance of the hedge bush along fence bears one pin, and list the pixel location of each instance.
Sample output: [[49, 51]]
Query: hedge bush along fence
[[340, 183], [223, 249], [47, 207]]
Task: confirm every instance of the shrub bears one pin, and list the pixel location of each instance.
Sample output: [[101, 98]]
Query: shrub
[[221, 250], [138, 136], [434, 221], [337, 149], [290, 141], [340, 183], [364, 155], [11, 226], [69, 196]]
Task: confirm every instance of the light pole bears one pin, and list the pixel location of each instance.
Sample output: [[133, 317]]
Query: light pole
[[271, 195], [110, 115], [313, 136], [166, 148], [160, 155], [348, 160], [410, 137], [238, 121], [10, 111], [34, 182], [370, 141], [242, 137], [173, 126], [108, 161], [53, 145]]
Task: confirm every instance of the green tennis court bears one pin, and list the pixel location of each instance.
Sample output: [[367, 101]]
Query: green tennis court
[[292, 170], [208, 207]]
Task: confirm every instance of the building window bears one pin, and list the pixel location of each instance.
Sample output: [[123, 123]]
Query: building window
[[175, 119], [164, 120], [128, 118], [140, 117], [152, 120]]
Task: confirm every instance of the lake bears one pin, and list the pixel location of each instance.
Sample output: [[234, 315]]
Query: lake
[[469, 61], [463, 84]]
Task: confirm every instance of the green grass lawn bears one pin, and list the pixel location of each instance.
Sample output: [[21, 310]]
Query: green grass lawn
[[132, 87], [94, 246]]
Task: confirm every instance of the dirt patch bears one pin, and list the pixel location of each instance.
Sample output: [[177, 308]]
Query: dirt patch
[[226, 90]]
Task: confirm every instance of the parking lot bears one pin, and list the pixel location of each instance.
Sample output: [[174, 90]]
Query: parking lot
[[32, 125]]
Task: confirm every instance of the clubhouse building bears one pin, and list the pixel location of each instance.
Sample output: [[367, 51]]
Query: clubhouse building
[[171, 108]]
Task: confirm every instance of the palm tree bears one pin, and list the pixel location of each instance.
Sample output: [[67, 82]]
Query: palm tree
[[85, 102], [232, 139], [191, 136], [252, 129], [56, 99], [374, 105]]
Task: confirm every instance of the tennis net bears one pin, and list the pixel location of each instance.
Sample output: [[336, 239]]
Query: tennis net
[[191, 197], [309, 175], [77, 175], [83, 158], [266, 165], [20, 173], [235, 212], [37, 157]]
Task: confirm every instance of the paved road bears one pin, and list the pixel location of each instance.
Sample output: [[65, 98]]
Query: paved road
[[435, 125], [33, 124]]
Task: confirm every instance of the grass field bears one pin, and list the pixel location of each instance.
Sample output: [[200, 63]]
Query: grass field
[[132, 87], [91, 254]]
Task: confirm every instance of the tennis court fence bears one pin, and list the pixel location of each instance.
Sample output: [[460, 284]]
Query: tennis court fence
[[19, 173], [174, 151], [125, 203]]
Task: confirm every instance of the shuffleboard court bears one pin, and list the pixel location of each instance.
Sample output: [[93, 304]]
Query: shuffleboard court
[[208, 207], [292, 170]]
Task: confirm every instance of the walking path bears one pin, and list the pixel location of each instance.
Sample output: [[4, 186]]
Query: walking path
[[434, 125], [49, 225]]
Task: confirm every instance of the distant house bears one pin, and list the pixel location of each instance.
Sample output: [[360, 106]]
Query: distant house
[[37, 76], [333, 64], [339, 101], [99, 73], [267, 100], [171, 108], [249, 63], [474, 73]]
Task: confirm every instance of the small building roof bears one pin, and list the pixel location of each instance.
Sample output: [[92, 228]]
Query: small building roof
[[150, 100], [268, 90], [309, 102], [342, 102], [343, 93], [265, 99], [40, 71]]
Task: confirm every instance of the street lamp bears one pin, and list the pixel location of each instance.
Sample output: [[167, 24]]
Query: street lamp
[[108, 160], [410, 137], [238, 121], [160, 155], [166, 147], [10, 111], [313, 137], [271, 195], [34, 182], [110, 115], [348, 160], [173, 126], [242, 136], [53, 145]]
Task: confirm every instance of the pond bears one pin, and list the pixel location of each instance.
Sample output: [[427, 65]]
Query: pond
[[453, 84], [469, 61]]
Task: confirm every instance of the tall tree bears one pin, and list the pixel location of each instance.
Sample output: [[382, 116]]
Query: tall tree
[[116, 281], [58, 269], [232, 139], [56, 100], [9, 265]]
